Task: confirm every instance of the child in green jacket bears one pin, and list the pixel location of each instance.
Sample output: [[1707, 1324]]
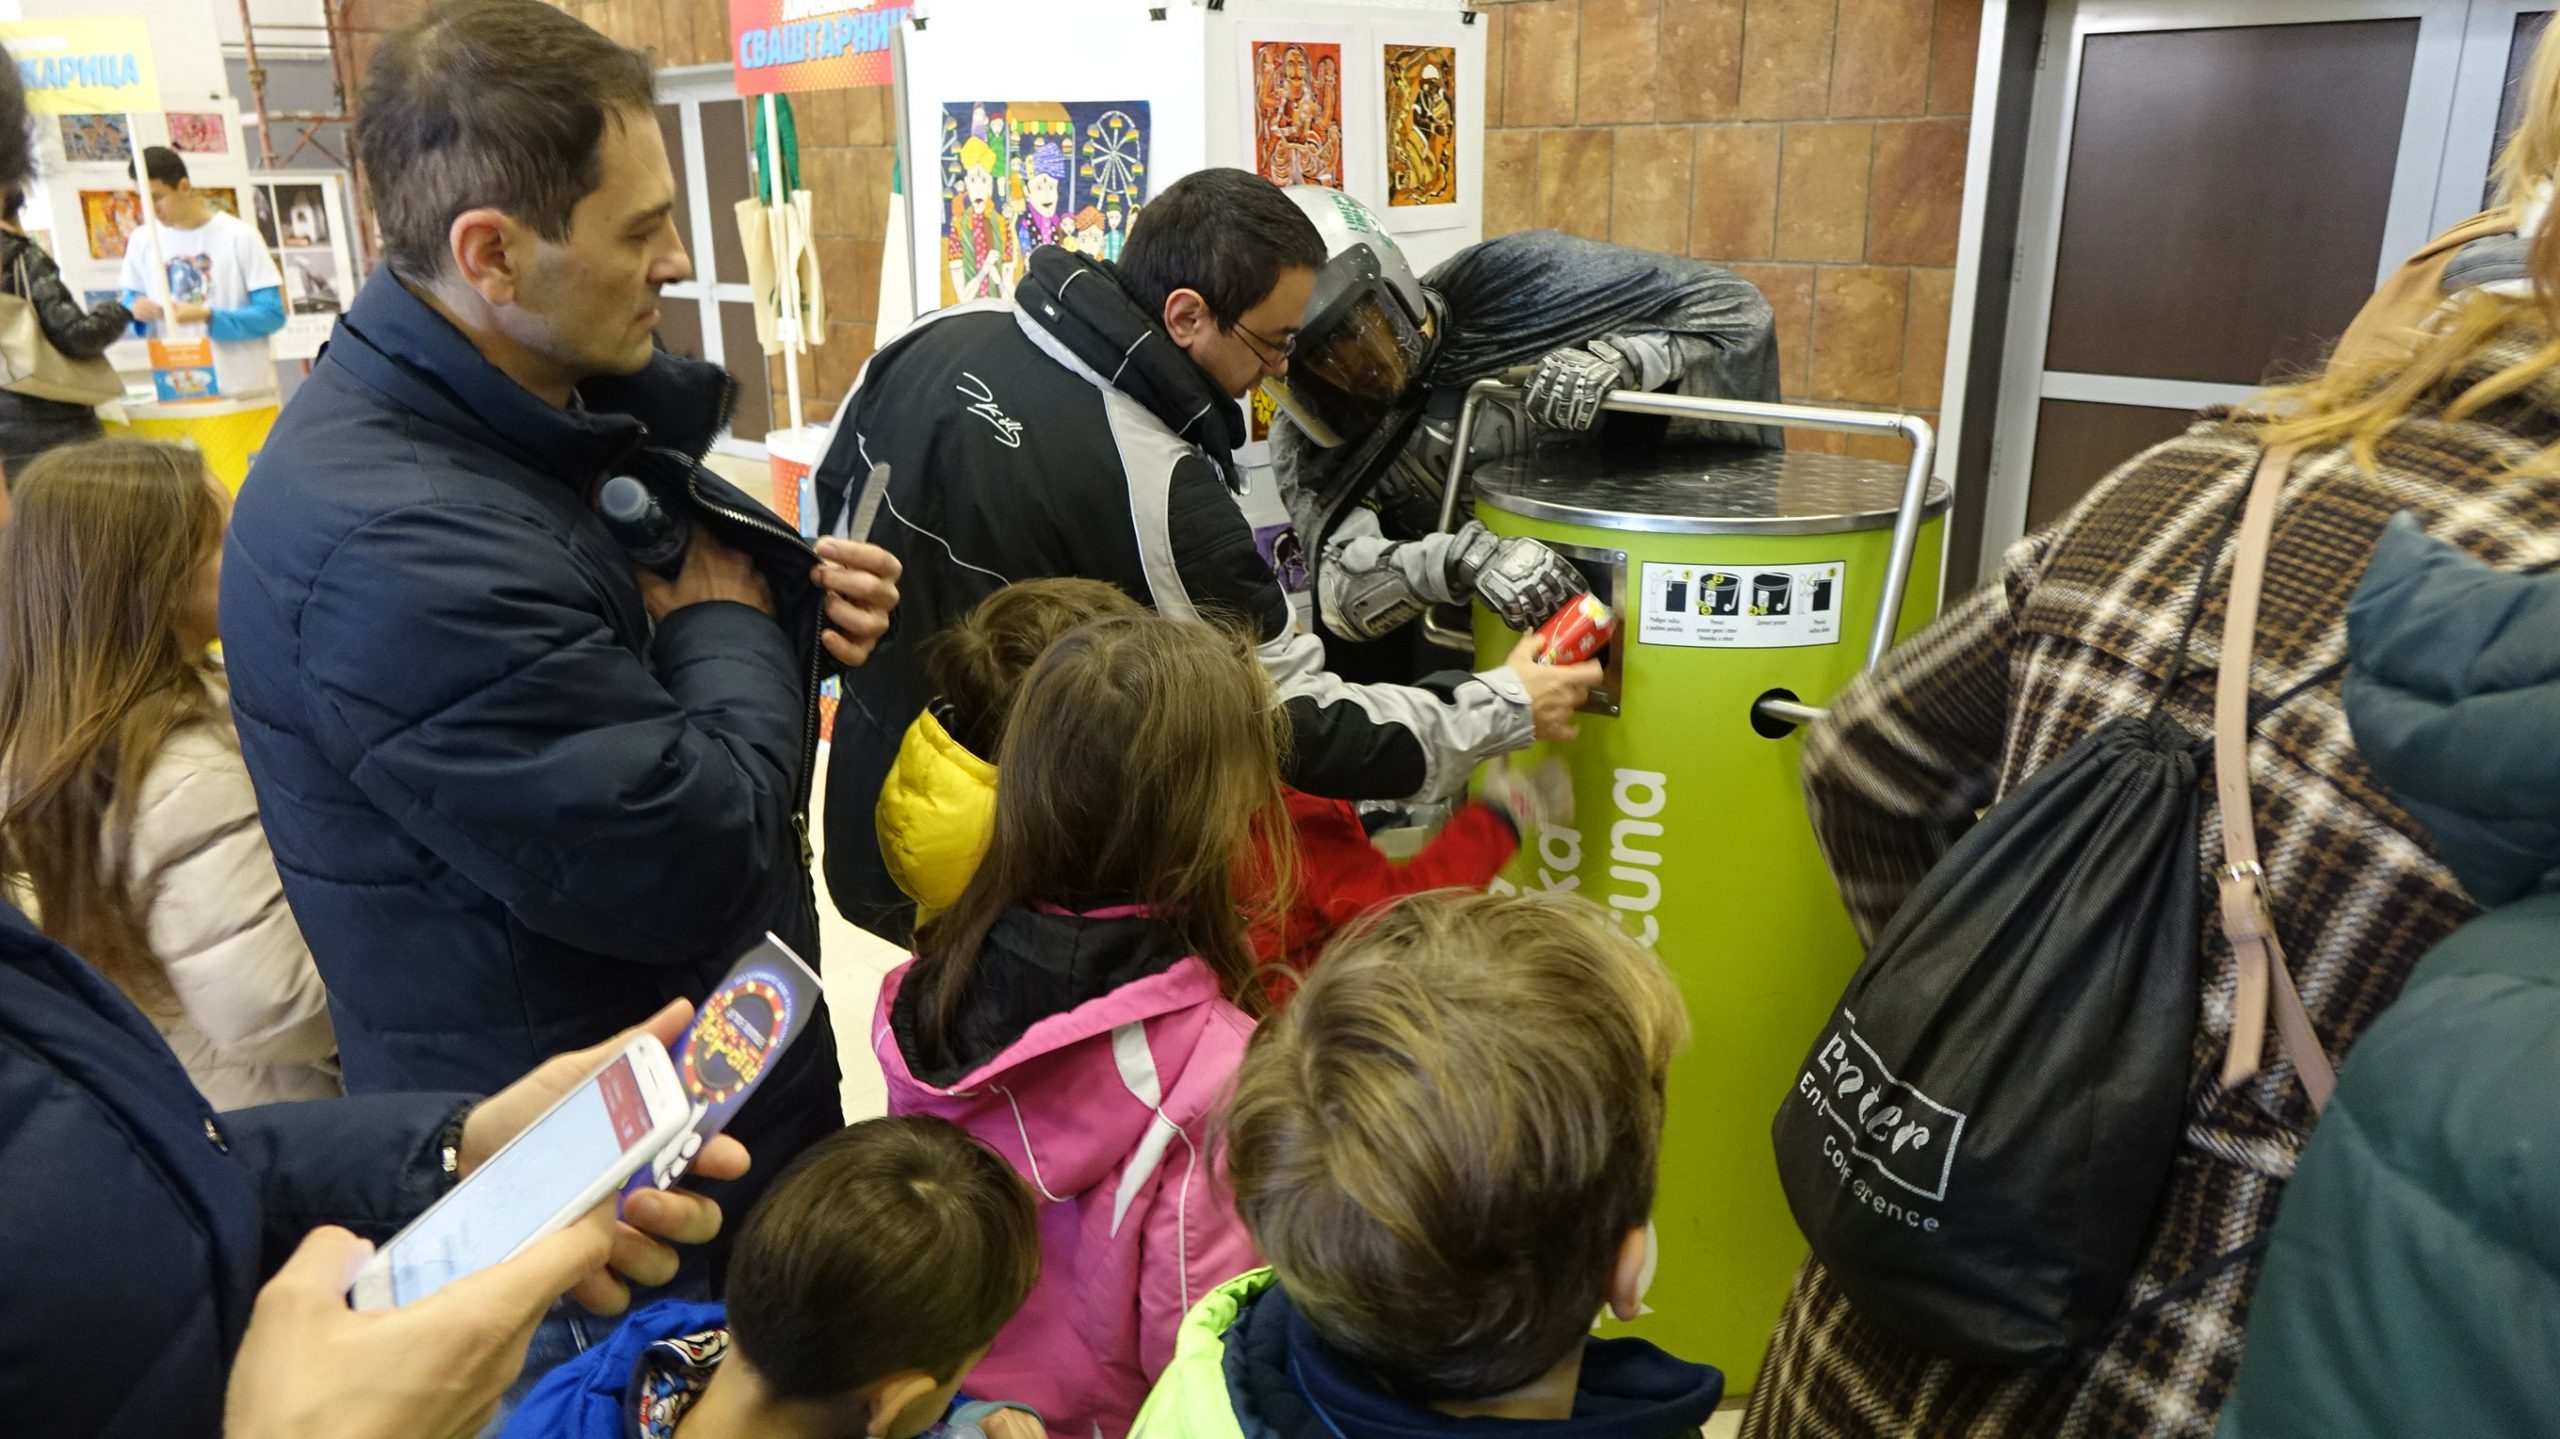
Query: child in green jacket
[[1446, 1146]]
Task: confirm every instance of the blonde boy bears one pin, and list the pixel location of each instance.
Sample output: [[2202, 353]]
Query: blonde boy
[[1445, 1147]]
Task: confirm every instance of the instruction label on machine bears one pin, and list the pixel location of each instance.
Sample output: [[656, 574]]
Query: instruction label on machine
[[1750, 607]]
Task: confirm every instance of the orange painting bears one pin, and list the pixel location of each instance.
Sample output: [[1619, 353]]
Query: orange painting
[[1422, 125], [1297, 112], [110, 217]]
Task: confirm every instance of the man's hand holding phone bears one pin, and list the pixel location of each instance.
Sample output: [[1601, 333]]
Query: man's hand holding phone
[[652, 1220], [311, 1368]]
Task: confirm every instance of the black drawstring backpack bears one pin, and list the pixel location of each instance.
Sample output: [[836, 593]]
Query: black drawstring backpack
[[1977, 1143]]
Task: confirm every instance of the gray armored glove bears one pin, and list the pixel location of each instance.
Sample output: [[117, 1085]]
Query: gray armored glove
[[1369, 586], [1521, 580], [1566, 391]]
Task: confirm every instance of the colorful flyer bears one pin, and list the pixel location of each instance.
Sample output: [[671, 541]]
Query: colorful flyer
[[736, 1037], [184, 370]]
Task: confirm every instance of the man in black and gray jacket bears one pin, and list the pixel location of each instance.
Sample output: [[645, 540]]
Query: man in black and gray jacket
[[1088, 428]]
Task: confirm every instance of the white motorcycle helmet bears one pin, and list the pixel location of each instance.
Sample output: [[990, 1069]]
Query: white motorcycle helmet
[[1366, 333]]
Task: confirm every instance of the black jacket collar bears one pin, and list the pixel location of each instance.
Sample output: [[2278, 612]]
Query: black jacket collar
[[1285, 1382], [403, 347], [1082, 303], [1034, 963]]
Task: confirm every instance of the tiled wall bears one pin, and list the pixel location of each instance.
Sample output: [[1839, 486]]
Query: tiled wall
[[1815, 146]]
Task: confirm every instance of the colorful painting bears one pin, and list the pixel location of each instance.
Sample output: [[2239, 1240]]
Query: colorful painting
[[1019, 174], [222, 198], [197, 134], [110, 217], [95, 140], [1297, 112], [1422, 125]]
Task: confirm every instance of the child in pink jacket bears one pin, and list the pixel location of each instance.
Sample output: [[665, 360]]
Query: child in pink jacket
[[1083, 1005]]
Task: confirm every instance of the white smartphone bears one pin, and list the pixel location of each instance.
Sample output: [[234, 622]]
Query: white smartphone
[[579, 1152]]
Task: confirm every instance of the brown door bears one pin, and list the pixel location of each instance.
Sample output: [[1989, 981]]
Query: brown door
[[2213, 190]]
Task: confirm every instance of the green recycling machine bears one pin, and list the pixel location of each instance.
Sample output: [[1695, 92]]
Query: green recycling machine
[[1750, 586]]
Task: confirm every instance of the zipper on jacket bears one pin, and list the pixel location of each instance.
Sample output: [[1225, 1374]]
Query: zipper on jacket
[[817, 647]]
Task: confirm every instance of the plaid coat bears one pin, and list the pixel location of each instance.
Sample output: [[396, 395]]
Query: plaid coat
[[2082, 627]]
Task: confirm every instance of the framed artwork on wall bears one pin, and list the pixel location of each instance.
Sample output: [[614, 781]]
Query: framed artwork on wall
[[1423, 147]]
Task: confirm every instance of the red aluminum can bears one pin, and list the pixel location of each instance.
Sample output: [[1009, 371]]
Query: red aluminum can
[[1576, 632]]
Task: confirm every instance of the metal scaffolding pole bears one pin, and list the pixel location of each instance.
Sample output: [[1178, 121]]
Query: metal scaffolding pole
[[337, 33]]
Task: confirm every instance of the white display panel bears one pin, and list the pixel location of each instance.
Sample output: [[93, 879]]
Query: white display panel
[[1191, 67]]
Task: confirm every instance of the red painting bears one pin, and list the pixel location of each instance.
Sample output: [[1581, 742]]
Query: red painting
[[1297, 112]]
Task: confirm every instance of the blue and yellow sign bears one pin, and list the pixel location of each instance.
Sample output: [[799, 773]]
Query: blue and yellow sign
[[84, 67]]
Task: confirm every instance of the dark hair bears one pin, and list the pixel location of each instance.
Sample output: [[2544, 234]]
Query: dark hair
[[1141, 766], [890, 1245], [15, 201], [17, 147], [489, 102], [977, 665], [1226, 234], [162, 164]]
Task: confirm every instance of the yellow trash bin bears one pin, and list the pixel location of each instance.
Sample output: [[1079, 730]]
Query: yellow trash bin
[[228, 433]]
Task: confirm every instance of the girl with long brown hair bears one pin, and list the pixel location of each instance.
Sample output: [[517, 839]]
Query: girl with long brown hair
[[1083, 1004], [127, 823]]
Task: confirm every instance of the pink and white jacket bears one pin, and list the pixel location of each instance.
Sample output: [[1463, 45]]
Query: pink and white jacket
[[1104, 1109]]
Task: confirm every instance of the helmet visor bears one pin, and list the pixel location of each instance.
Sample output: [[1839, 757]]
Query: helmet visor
[[1350, 367]]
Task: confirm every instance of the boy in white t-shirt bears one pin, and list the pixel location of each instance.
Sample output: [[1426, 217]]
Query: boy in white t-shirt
[[222, 284]]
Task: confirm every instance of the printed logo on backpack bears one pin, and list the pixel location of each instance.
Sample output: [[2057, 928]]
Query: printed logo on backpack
[[1888, 1130]]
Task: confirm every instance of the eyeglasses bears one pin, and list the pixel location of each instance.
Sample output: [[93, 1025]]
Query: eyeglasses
[[1255, 341]]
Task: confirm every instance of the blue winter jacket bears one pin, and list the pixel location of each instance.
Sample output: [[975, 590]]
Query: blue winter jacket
[[2412, 1282], [511, 815], [593, 1396], [136, 1225], [590, 1397]]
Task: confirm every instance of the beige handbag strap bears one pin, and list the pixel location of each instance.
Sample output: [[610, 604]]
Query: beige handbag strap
[[2246, 916]]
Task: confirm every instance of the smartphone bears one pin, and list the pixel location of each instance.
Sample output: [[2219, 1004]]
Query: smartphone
[[737, 1036], [562, 1165]]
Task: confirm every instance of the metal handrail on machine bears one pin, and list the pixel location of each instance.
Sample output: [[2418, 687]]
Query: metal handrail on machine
[[1906, 520]]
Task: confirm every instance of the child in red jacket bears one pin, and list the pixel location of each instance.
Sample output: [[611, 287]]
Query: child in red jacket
[[1342, 874]]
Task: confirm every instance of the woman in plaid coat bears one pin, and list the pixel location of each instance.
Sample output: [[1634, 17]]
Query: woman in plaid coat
[[2457, 424]]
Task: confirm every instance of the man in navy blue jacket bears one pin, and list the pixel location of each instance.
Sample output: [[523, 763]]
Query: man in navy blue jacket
[[522, 794]]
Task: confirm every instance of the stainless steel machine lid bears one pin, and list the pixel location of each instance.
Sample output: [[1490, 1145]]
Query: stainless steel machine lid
[[1700, 490]]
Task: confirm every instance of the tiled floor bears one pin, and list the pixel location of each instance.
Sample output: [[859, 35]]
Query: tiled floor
[[855, 961]]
